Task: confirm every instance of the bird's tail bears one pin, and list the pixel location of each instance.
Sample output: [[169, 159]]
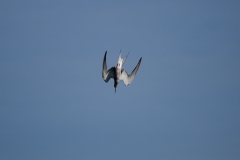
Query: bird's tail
[[125, 59]]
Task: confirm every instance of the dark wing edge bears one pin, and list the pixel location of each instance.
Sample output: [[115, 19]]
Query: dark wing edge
[[107, 74], [104, 65], [127, 79]]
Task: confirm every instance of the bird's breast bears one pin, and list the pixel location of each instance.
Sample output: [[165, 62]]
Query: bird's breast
[[118, 73]]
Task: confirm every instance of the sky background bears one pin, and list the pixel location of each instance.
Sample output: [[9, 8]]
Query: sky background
[[184, 102]]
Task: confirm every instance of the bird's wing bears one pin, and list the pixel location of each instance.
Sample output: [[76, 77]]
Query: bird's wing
[[127, 79], [107, 74]]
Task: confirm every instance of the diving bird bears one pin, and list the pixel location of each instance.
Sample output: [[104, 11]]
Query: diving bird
[[118, 73]]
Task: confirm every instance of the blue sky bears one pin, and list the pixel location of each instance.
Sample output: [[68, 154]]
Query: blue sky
[[184, 102]]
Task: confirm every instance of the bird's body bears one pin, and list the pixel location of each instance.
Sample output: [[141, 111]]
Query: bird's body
[[118, 73]]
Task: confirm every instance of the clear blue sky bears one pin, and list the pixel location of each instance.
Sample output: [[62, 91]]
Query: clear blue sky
[[184, 102]]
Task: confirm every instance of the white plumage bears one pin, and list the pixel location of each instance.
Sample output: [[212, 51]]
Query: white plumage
[[118, 73]]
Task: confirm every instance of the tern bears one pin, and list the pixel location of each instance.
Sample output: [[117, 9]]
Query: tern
[[118, 73]]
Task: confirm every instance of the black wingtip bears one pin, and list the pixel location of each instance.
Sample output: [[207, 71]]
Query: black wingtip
[[105, 55]]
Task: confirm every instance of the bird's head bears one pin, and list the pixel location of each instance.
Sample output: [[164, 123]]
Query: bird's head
[[115, 85]]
